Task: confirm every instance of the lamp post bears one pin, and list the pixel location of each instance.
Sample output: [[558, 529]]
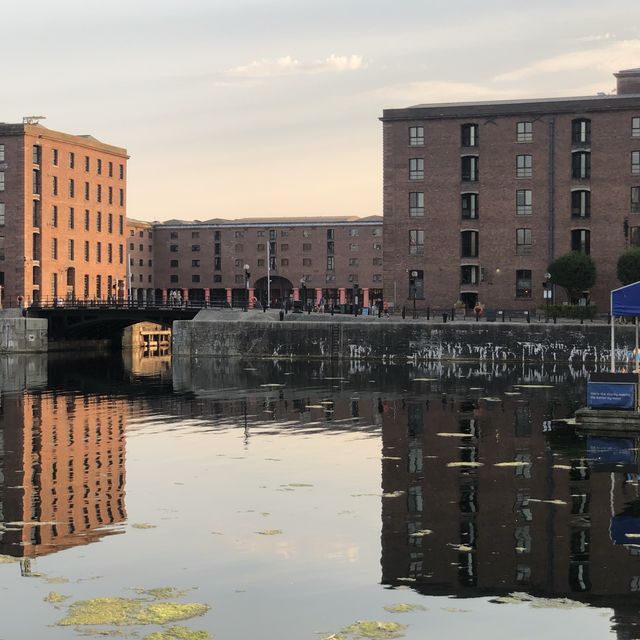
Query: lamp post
[[412, 282], [247, 275], [547, 290], [303, 292]]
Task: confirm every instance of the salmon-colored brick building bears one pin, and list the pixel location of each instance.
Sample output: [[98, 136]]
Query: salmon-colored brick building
[[62, 215], [480, 197]]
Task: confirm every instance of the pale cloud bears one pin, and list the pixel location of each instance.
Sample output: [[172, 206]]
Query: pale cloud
[[597, 37], [609, 58], [288, 66]]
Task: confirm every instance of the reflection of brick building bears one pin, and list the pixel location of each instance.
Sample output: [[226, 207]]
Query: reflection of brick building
[[63, 467], [516, 542], [62, 215], [480, 197]]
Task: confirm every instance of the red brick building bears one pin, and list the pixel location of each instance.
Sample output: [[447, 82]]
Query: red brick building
[[314, 259], [480, 197], [62, 215], [140, 252]]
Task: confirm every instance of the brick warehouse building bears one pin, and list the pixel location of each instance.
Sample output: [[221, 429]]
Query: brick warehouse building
[[62, 215], [309, 258], [480, 197]]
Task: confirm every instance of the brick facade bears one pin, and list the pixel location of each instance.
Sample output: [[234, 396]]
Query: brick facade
[[490, 237]]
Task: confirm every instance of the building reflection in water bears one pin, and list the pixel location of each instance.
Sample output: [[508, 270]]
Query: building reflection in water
[[62, 470], [563, 521]]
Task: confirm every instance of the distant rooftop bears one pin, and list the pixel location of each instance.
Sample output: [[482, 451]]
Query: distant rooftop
[[273, 221]]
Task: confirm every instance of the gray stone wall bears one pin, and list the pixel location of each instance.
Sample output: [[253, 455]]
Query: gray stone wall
[[23, 335], [397, 341]]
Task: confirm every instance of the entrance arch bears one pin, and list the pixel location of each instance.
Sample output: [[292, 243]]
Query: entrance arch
[[281, 290]]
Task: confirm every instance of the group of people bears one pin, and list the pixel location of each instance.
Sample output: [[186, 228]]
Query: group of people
[[175, 298]]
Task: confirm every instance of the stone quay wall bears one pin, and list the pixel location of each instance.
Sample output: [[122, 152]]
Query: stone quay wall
[[23, 335], [264, 336]]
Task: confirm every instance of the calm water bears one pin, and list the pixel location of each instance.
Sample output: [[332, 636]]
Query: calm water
[[295, 499]]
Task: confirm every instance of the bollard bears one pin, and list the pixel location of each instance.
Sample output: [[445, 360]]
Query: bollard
[[555, 318], [264, 308], [478, 316], [331, 309], [404, 312], [444, 317], [428, 312], [527, 315], [453, 314], [281, 314]]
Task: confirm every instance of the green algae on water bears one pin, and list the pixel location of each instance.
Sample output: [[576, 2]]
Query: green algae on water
[[7, 559], [143, 525], [371, 629], [179, 633], [404, 607], [55, 597], [270, 532], [161, 593], [129, 611]]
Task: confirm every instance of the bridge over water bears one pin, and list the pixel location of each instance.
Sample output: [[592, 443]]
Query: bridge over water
[[105, 320]]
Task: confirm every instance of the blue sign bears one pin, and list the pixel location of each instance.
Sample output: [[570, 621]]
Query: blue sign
[[611, 395]]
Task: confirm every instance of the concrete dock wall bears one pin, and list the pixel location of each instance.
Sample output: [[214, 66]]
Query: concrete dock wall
[[23, 335], [215, 334]]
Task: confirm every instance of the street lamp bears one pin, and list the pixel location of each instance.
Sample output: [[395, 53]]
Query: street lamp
[[547, 289], [247, 275], [412, 282]]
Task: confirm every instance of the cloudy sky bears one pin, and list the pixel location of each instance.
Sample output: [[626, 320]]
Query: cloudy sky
[[233, 108]]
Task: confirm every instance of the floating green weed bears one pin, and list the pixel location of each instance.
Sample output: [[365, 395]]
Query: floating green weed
[[55, 597], [7, 559], [178, 633], [538, 603], [129, 611], [270, 532], [404, 607], [161, 593], [143, 525], [371, 629]]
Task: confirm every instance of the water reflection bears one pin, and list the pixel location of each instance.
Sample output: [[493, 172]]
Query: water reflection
[[62, 471]]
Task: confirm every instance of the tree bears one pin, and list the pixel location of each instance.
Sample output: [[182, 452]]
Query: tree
[[629, 266], [575, 272]]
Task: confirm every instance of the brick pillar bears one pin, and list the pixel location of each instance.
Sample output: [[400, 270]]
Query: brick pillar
[[207, 296], [229, 298], [365, 297], [318, 295], [296, 294], [185, 295], [251, 292], [164, 296], [342, 295]]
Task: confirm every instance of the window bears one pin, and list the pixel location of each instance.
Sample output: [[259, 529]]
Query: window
[[54, 157], [121, 197], [416, 284], [523, 283], [377, 277], [195, 263], [635, 127], [110, 196], [284, 262], [35, 176], [86, 191], [87, 163], [173, 248], [195, 247], [416, 168], [98, 193], [524, 131], [86, 251], [470, 168], [524, 166], [377, 262], [353, 262], [469, 244], [416, 204], [580, 204], [354, 246], [217, 263], [416, 242], [35, 213], [98, 251], [72, 188], [634, 236], [353, 277], [635, 163], [523, 242], [284, 247], [2, 153], [329, 234], [132, 246], [306, 262], [580, 165], [110, 223], [635, 199], [306, 246], [330, 247], [121, 226], [109, 252], [581, 131], [72, 218], [330, 263], [72, 160], [469, 134], [305, 233], [54, 216], [98, 221], [54, 248], [524, 200], [469, 205], [173, 235], [54, 185], [36, 153], [216, 236], [330, 277], [353, 232], [70, 250], [99, 166], [1, 180], [121, 254], [240, 234], [111, 169], [195, 277], [377, 246], [173, 278], [173, 264], [376, 231], [284, 233], [261, 262], [1, 214], [416, 136], [121, 171], [469, 274], [581, 241], [217, 278]]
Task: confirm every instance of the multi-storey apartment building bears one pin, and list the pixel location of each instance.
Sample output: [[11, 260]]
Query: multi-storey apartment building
[[62, 215], [305, 259], [480, 197], [140, 252]]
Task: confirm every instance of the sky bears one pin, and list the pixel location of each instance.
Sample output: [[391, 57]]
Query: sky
[[248, 108]]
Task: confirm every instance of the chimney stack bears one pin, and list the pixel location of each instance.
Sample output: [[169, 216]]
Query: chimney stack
[[628, 81]]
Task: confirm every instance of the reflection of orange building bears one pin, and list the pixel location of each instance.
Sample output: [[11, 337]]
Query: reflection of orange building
[[491, 530], [64, 471]]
